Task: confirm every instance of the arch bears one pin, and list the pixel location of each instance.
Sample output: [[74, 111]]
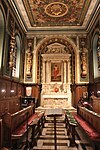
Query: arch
[[51, 39], [59, 39], [2, 34]]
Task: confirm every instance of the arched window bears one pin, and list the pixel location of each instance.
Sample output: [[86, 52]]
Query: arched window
[[2, 31], [96, 56]]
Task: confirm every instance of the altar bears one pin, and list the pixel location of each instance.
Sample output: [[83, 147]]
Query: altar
[[56, 80], [52, 99], [55, 103]]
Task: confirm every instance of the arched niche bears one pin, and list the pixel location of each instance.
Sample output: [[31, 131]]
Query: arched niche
[[15, 69], [2, 31], [45, 56], [70, 48], [18, 46], [96, 61]]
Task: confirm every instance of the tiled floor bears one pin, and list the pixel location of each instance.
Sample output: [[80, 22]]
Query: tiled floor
[[46, 140]]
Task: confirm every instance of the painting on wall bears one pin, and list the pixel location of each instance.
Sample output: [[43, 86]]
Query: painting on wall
[[55, 72]]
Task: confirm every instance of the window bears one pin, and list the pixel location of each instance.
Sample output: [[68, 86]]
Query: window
[[2, 27]]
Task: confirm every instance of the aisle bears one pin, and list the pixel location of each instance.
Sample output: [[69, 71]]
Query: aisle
[[46, 140]]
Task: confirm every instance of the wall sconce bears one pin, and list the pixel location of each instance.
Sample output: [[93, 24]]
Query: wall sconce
[[12, 91], [98, 93], [3, 91]]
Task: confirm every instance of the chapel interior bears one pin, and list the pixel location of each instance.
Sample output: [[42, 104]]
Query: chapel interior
[[49, 74]]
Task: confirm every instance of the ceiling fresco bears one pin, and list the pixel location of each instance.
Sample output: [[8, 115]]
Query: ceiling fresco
[[56, 12]]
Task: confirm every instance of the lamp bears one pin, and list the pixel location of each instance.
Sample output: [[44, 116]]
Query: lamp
[[3, 92], [98, 93]]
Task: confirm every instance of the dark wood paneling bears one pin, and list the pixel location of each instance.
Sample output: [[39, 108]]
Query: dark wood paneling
[[96, 105], [10, 101], [7, 85], [11, 104], [79, 91]]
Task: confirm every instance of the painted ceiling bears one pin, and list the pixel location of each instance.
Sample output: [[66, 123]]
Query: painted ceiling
[[58, 15], [56, 12]]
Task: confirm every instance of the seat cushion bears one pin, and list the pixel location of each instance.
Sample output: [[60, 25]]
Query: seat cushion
[[92, 133]]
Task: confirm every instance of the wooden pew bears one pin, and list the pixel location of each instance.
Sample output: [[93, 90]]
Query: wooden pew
[[96, 105], [90, 123], [71, 124], [15, 125]]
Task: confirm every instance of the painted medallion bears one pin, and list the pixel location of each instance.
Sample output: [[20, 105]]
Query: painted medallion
[[56, 9]]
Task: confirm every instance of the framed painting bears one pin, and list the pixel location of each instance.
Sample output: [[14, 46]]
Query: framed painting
[[55, 72]]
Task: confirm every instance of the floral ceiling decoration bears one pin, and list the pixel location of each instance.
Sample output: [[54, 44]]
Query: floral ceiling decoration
[[56, 9], [56, 12]]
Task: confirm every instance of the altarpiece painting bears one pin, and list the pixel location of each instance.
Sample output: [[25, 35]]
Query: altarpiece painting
[[55, 72]]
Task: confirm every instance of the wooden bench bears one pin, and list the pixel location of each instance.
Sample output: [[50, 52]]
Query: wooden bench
[[71, 124], [15, 125], [90, 123]]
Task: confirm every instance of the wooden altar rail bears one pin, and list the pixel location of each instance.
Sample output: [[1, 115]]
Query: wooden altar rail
[[36, 125], [71, 124], [15, 125]]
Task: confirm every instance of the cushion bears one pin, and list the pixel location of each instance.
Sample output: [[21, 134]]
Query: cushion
[[92, 133]]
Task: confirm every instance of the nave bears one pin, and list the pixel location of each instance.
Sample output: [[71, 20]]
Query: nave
[[46, 140]]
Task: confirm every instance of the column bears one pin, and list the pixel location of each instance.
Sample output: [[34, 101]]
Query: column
[[34, 68], [65, 72], [49, 71], [68, 70], [34, 63], [77, 72], [43, 72], [77, 41], [62, 72]]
